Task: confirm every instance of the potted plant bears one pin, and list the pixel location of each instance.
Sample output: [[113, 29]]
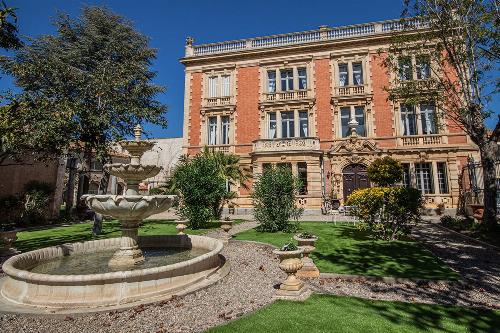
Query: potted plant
[[226, 224], [307, 242], [290, 262]]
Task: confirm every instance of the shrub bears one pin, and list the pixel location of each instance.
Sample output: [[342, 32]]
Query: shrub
[[385, 171], [201, 187], [36, 201], [10, 212], [274, 200], [457, 223], [388, 212]]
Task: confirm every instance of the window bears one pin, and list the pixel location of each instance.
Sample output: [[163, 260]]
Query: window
[[343, 75], [442, 176], [406, 174], [359, 115], [303, 124], [271, 81], [302, 78], [302, 175], [408, 120], [225, 86], [272, 125], [212, 130], [345, 116], [286, 79], [93, 188], [95, 165], [287, 125], [428, 116], [357, 74], [212, 86], [423, 68], [405, 70], [423, 174], [225, 130]]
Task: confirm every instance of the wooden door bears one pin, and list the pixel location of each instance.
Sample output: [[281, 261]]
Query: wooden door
[[354, 177]]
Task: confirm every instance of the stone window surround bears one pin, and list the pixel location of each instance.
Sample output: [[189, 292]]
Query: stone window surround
[[282, 65], [413, 54], [218, 114], [306, 107], [369, 120], [435, 181], [219, 72], [295, 170], [349, 59], [441, 127]]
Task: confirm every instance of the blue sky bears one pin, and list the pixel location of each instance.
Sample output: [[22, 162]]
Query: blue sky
[[168, 23]]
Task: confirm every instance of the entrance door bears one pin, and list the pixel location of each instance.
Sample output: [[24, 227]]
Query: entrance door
[[354, 177]]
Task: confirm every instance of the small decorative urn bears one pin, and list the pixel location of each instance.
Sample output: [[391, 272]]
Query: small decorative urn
[[306, 242], [290, 263], [6, 240], [226, 224], [181, 226]]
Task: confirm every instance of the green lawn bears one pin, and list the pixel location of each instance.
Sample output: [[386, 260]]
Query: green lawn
[[324, 313], [50, 236], [345, 249]]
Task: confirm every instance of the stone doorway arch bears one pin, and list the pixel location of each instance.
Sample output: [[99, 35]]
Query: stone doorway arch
[[354, 176]]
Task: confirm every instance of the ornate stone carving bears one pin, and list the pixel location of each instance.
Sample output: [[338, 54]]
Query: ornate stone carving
[[355, 144]]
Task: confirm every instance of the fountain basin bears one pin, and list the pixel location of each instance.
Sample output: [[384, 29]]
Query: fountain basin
[[108, 289], [129, 207]]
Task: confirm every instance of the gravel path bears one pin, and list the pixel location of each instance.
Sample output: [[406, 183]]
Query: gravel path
[[248, 287]]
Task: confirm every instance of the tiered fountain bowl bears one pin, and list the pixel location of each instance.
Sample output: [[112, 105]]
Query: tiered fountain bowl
[[116, 271]]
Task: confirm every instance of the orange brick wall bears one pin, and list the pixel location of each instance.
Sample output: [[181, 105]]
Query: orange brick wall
[[382, 110], [247, 106], [323, 95], [194, 110]]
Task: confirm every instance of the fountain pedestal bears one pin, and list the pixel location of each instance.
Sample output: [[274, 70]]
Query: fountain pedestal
[[129, 253]]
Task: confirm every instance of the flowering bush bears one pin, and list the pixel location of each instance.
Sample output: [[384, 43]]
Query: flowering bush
[[385, 171], [388, 212]]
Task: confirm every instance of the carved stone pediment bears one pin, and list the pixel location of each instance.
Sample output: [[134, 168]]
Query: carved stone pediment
[[355, 145]]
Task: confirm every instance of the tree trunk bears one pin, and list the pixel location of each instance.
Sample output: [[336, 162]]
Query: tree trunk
[[487, 152]]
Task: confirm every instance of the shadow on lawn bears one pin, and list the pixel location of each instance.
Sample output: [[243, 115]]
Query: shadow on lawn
[[425, 317]]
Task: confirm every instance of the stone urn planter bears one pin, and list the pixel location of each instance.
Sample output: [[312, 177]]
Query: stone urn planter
[[306, 243], [226, 225], [290, 263], [181, 226], [6, 239]]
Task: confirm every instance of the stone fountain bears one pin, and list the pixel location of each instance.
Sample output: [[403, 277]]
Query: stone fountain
[[112, 272], [132, 208]]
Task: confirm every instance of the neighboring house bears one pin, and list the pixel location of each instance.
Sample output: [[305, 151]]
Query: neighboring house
[[316, 102], [165, 153], [14, 176]]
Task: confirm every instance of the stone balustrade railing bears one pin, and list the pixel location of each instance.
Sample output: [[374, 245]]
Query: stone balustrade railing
[[217, 101], [323, 33], [287, 95], [286, 144], [421, 140], [349, 90]]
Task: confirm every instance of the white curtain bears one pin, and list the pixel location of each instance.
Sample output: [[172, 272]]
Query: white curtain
[[212, 86], [226, 85], [343, 79], [212, 131], [358, 79]]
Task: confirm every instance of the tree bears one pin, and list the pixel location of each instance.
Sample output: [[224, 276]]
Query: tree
[[459, 48], [9, 38], [90, 83], [274, 199], [385, 171], [201, 187], [228, 166]]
